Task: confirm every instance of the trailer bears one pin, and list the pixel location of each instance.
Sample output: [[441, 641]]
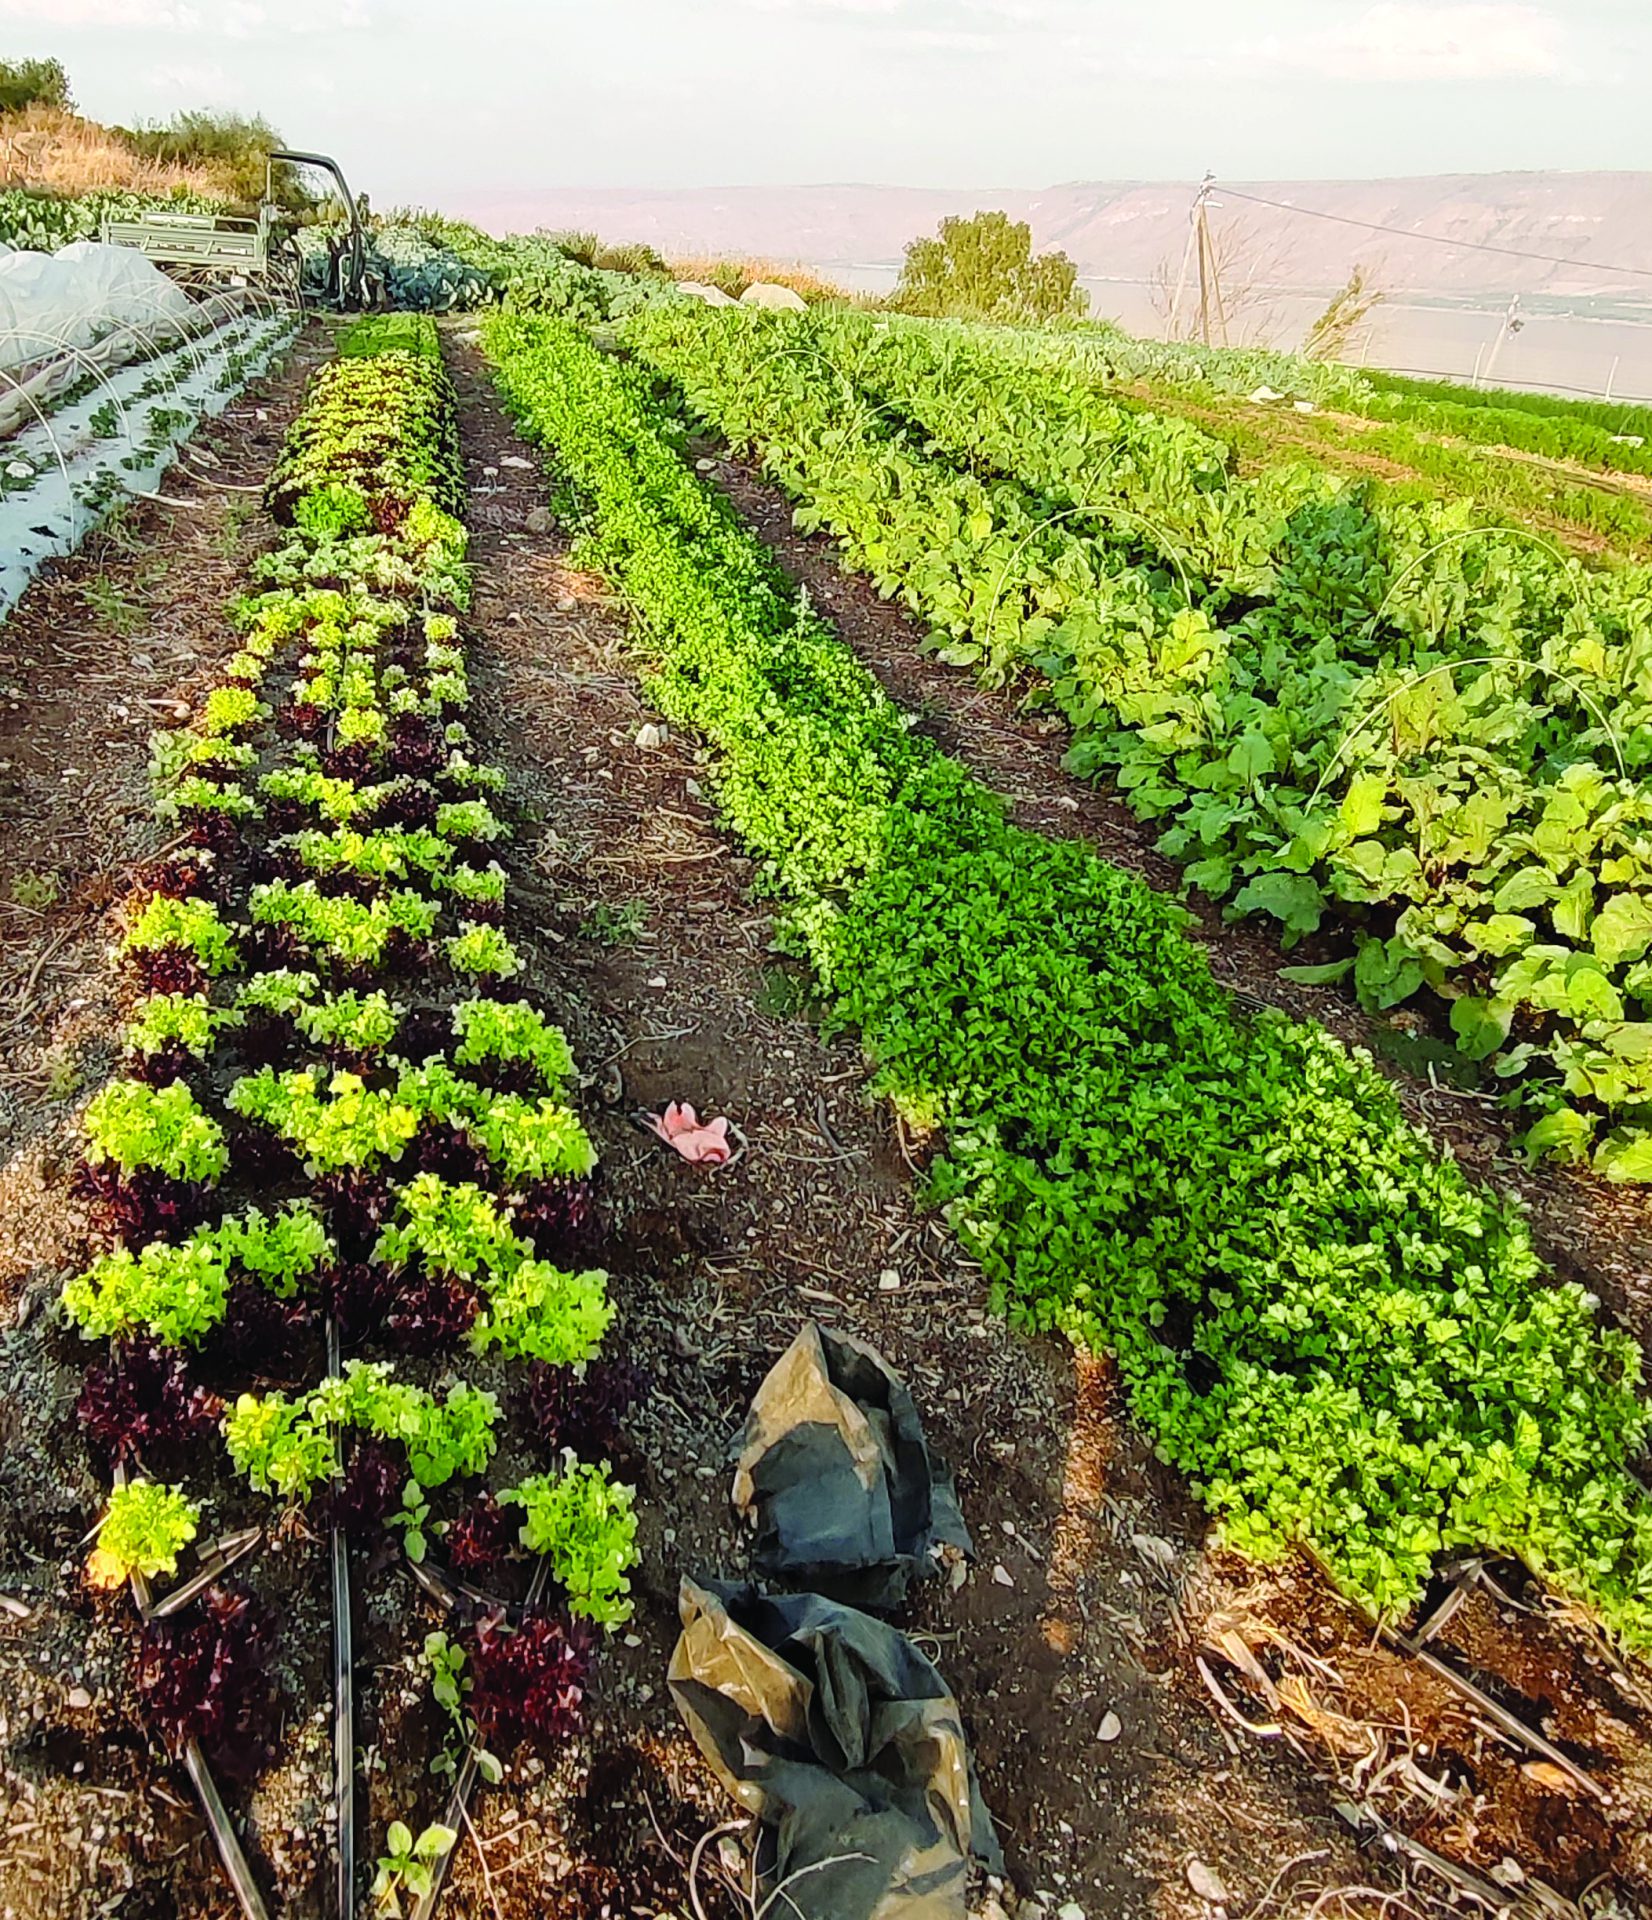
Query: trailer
[[210, 251]]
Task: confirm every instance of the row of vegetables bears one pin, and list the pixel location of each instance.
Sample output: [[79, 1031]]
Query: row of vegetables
[[113, 433], [1612, 436], [341, 1127], [1344, 1342], [1602, 517], [428, 263], [1420, 739]]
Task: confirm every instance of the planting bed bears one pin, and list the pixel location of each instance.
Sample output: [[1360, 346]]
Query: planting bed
[[115, 433], [1162, 1727], [271, 1186], [579, 409], [1402, 731], [1594, 1233]]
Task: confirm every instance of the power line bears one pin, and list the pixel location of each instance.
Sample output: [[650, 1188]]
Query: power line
[[1438, 239]]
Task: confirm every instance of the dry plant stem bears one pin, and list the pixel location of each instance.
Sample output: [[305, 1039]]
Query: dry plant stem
[[1290, 1866], [1508, 1723], [1463, 1881], [224, 1837], [1461, 1587], [817, 1866], [700, 1845], [457, 1813], [482, 1862], [344, 1760]]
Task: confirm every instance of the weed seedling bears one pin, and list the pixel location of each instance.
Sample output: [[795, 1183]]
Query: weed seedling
[[37, 890], [409, 1866], [617, 926]]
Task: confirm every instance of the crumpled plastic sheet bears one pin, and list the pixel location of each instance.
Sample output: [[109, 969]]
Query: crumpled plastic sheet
[[836, 1475], [843, 1740]]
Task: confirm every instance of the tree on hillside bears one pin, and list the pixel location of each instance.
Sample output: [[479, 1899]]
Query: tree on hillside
[[33, 83], [985, 266]]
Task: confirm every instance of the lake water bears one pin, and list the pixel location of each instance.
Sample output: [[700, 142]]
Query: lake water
[[1592, 349]]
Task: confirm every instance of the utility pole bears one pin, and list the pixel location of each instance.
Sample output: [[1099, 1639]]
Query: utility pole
[[1210, 278], [1197, 242], [1513, 321]]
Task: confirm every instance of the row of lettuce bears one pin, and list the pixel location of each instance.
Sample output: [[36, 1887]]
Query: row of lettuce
[[1420, 738], [339, 1108], [1344, 1342]]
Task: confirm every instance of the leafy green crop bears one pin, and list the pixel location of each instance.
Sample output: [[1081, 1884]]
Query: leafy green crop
[[332, 1122], [282, 1444], [154, 1129], [175, 1294], [456, 1231], [1403, 715], [327, 790], [538, 1312], [482, 950], [190, 926], [1339, 1338], [508, 1032], [586, 1524], [185, 1020], [144, 1530]]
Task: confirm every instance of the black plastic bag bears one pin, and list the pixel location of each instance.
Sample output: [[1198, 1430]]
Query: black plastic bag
[[836, 1476], [844, 1741]]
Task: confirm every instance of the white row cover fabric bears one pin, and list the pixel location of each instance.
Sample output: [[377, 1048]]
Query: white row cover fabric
[[52, 301]]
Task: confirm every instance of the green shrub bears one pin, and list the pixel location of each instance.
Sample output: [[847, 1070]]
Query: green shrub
[[34, 83]]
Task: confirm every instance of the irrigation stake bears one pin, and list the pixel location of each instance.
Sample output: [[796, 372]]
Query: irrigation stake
[[344, 1759], [223, 1833], [457, 1813], [1509, 1723], [226, 1553], [1369, 1826]]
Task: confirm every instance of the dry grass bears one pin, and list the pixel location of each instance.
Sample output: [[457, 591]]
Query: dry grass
[[733, 275], [57, 152]]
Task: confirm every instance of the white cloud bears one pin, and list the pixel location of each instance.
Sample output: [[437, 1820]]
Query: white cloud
[[1405, 40], [862, 7], [215, 19], [947, 40], [196, 83]]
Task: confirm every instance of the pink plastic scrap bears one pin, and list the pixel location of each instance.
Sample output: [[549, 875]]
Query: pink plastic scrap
[[703, 1142]]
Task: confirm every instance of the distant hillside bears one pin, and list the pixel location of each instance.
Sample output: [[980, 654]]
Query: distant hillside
[[1128, 229]]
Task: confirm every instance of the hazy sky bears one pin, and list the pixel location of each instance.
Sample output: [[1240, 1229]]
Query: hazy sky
[[420, 96]]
